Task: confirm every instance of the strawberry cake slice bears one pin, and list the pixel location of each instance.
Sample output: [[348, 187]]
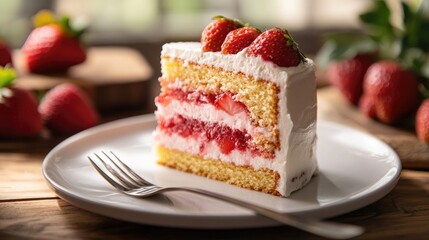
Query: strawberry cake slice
[[247, 118]]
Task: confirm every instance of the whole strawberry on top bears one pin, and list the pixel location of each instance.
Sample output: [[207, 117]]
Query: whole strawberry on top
[[392, 90], [67, 110], [239, 39], [215, 33], [5, 56], [53, 46], [19, 117], [276, 45]]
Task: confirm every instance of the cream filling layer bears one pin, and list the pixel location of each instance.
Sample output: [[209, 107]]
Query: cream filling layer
[[211, 150], [208, 113]]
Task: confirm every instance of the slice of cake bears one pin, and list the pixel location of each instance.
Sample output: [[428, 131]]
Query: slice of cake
[[243, 118]]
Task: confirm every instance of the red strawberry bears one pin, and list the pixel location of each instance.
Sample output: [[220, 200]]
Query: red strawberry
[[422, 121], [347, 75], [214, 34], [393, 91], [5, 56], [53, 45], [226, 144], [276, 45], [19, 117], [239, 39], [226, 103], [366, 105], [67, 110], [49, 49]]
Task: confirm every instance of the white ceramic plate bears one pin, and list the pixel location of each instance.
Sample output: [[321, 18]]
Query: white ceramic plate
[[355, 170]]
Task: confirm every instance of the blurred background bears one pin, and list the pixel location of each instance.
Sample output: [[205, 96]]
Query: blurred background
[[146, 24]]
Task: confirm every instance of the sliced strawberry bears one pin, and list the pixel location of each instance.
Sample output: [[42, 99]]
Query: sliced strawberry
[[226, 103], [214, 34], [239, 39], [164, 99], [226, 144]]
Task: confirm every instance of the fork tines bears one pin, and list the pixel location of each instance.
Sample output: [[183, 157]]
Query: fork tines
[[118, 173]]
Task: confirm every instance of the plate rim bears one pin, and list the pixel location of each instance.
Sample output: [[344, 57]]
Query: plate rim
[[210, 221]]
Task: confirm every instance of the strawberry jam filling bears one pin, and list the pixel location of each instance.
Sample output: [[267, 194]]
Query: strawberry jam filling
[[227, 139], [225, 101]]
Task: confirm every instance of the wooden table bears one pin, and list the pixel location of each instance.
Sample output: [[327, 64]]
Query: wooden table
[[30, 210]]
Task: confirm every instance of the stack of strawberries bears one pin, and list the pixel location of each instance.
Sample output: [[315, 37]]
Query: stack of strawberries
[[382, 71], [230, 36], [53, 46]]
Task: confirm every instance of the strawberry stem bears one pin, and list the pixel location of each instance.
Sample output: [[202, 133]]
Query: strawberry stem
[[45, 17], [237, 22], [294, 44], [7, 76]]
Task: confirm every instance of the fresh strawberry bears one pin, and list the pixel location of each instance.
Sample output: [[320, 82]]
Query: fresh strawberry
[[5, 56], [67, 110], [239, 39], [53, 47], [366, 105], [214, 34], [347, 75], [393, 91], [422, 121], [19, 117], [226, 103], [276, 45]]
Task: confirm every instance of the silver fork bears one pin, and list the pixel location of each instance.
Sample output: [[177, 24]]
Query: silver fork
[[127, 181]]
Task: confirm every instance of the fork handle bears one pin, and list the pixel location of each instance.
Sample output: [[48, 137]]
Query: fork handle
[[315, 226]]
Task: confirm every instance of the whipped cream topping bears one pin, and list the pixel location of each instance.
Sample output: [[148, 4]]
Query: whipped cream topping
[[297, 109], [253, 66]]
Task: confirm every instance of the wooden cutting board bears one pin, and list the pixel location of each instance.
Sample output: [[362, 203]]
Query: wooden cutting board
[[412, 152], [113, 77]]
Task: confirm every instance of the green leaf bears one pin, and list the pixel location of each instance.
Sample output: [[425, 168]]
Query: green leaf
[[379, 15], [377, 20], [343, 46], [411, 23], [70, 30], [417, 61], [421, 30], [7, 75]]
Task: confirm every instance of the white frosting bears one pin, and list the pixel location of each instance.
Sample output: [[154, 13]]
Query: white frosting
[[296, 158]]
